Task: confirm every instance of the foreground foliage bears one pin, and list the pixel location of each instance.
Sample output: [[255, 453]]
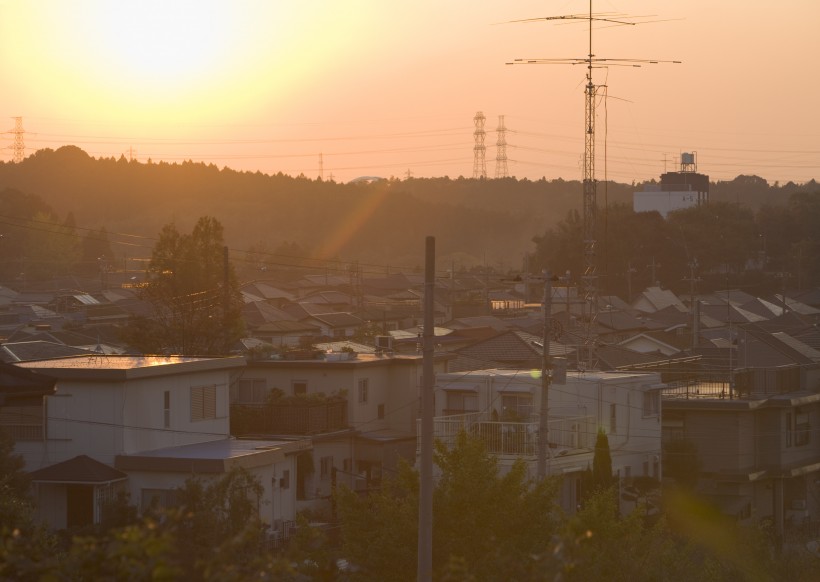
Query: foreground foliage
[[488, 526]]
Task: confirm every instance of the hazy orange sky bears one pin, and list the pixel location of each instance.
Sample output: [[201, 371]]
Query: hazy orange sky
[[389, 87]]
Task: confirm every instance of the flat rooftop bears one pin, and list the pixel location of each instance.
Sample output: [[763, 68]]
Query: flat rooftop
[[123, 367], [213, 456]]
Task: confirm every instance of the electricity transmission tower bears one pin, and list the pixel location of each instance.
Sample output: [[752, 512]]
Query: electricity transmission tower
[[590, 205], [479, 149], [19, 145], [501, 150]]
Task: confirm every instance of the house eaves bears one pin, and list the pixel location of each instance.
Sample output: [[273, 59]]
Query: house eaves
[[79, 470]]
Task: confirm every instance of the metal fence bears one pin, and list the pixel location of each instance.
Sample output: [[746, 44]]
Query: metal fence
[[515, 438]]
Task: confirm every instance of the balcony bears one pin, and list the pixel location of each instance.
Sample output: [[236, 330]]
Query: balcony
[[24, 432], [289, 418], [514, 438]]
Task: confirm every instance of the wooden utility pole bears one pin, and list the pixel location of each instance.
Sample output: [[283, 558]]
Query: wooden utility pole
[[425, 547], [543, 427]]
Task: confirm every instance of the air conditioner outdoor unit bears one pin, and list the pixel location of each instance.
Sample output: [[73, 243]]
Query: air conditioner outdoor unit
[[384, 342]]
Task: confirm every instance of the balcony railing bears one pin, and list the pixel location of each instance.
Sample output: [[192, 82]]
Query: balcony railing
[[515, 438], [24, 432], [298, 419]]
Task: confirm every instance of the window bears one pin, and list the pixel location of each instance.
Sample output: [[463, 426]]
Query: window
[[380, 412], [801, 428], [788, 429], [651, 403], [461, 402], [363, 387], [251, 391], [516, 405], [155, 499], [203, 403], [613, 418], [325, 467], [299, 387], [166, 409], [798, 428], [284, 482]]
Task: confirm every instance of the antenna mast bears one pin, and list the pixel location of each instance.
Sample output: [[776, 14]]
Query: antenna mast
[[590, 203]]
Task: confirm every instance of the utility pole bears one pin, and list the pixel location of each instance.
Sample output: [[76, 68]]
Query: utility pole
[[425, 540], [546, 365]]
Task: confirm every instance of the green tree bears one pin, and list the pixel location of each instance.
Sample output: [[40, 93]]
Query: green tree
[[195, 294], [601, 462], [25, 545], [486, 525]]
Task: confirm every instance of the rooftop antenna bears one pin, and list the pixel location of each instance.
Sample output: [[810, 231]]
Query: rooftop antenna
[[590, 251]]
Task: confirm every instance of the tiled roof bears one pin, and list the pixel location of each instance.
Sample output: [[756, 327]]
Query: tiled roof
[[266, 291], [619, 320], [798, 346], [259, 312], [37, 350], [81, 469], [286, 326], [511, 349], [660, 298], [340, 319], [613, 357], [478, 321]]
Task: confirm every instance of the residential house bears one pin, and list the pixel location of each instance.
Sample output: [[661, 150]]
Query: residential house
[[359, 410], [502, 407], [136, 424], [756, 442]]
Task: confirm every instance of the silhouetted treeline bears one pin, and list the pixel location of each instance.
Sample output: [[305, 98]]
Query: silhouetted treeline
[[717, 246], [476, 222]]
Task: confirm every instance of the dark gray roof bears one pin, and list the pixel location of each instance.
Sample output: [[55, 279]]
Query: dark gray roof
[[620, 321], [614, 357], [37, 350], [259, 312], [340, 319], [81, 469]]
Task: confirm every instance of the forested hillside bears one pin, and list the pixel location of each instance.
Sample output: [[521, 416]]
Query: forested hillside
[[476, 222]]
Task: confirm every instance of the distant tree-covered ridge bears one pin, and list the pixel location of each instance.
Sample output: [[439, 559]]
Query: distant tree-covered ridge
[[483, 221]]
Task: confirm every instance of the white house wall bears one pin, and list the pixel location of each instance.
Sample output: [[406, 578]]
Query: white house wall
[[634, 438], [276, 503], [143, 408], [104, 419]]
